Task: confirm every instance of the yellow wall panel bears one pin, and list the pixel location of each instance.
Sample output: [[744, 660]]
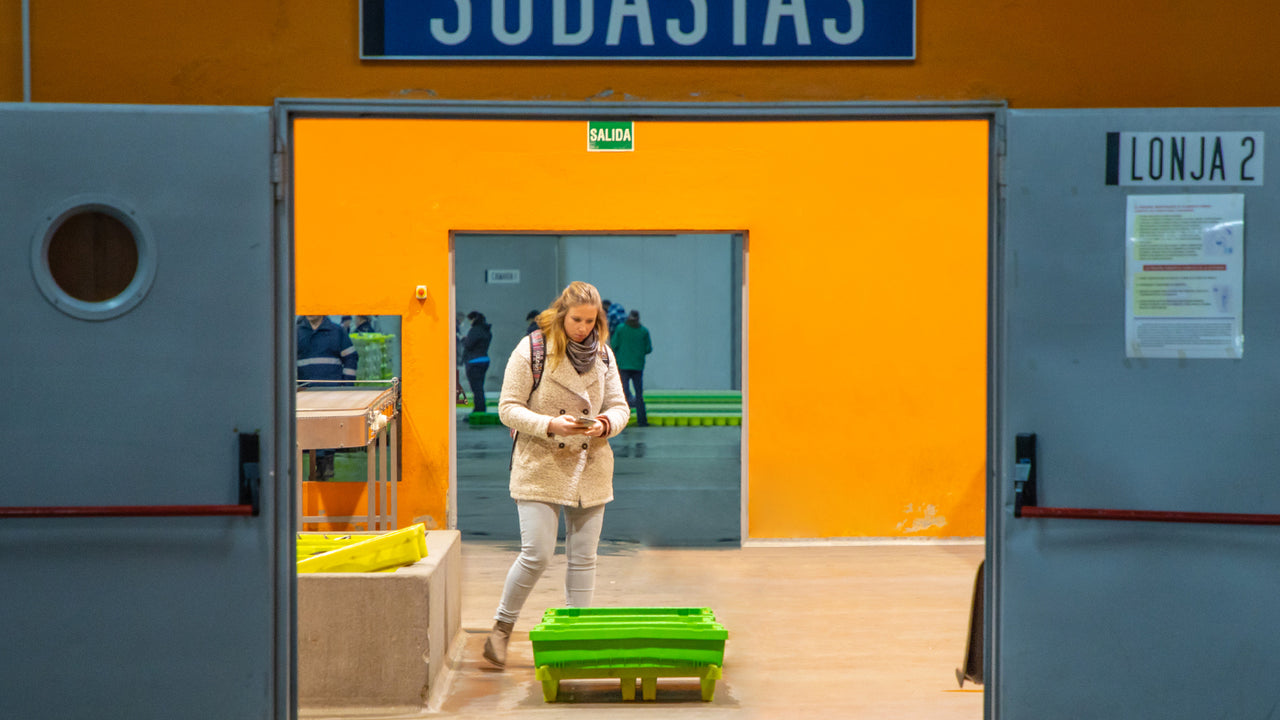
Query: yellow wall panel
[[866, 286]]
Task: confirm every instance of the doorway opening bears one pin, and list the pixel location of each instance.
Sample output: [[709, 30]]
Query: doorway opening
[[677, 482], [869, 229]]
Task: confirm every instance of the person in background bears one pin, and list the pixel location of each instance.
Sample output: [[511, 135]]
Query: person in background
[[475, 357], [561, 460], [615, 312], [631, 343], [364, 324], [532, 318], [459, 392], [326, 358]]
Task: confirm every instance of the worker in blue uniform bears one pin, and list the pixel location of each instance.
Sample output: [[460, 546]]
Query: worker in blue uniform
[[326, 355]]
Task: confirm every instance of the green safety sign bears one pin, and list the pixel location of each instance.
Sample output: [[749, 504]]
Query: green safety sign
[[611, 136]]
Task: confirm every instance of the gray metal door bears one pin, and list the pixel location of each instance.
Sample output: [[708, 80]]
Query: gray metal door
[[1166, 609], [142, 568]]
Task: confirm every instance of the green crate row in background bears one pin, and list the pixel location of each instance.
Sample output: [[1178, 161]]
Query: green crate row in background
[[673, 408]]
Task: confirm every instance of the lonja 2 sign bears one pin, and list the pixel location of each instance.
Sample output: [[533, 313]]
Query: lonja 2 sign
[[638, 29]]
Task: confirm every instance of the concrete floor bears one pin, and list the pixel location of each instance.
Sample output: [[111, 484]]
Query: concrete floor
[[814, 632], [824, 632]]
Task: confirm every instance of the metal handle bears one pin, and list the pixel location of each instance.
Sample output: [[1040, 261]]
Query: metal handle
[[1149, 516], [1024, 482], [129, 511], [1024, 502], [250, 483]]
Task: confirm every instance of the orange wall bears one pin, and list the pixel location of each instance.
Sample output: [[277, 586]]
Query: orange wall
[[1032, 53], [866, 243], [10, 50]]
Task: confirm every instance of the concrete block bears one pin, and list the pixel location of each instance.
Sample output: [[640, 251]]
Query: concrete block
[[379, 640]]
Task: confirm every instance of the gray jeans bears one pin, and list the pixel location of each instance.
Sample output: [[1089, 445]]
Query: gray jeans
[[538, 525]]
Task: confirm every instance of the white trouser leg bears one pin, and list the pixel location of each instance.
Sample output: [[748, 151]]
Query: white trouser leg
[[581, 538], [538, 525]]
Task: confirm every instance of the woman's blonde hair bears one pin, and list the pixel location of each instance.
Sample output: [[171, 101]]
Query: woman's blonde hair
[[551, 320]]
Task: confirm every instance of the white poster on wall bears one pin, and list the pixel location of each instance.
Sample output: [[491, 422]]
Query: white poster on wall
[[1184, 276]]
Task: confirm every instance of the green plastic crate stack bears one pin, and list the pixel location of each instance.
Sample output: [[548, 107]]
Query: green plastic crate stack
[[374, 357], [629, 644], [694, 408]]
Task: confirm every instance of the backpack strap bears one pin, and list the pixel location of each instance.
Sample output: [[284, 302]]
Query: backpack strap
[[537, 357], [537, 361]]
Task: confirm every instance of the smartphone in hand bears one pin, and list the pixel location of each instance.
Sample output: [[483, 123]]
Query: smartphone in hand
[[585, 421]]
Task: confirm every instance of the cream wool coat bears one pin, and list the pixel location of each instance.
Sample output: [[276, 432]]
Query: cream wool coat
[[570, 469]]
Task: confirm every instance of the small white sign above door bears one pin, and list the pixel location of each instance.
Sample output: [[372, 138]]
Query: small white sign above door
[[502, 277]]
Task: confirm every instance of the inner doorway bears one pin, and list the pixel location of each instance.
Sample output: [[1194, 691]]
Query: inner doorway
[[678, 481]]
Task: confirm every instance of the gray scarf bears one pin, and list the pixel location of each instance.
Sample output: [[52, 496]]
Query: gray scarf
[[583, 354]]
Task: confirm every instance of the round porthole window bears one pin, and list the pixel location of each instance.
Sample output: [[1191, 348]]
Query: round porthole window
[[93, 259]]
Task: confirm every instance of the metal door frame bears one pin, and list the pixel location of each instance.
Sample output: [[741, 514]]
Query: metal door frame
[[285, 432], [289, 109]]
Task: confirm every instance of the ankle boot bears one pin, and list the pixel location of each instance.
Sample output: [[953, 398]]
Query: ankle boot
[[495, 647]]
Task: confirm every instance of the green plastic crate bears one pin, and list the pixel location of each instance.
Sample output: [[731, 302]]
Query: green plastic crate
[[629, 644], [694, 396], [556, 614]]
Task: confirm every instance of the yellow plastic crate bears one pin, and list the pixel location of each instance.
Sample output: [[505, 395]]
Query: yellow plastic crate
[[383, 552], [309, 544]]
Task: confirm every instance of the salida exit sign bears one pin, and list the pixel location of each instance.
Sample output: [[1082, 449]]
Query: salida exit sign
[[611, 136]]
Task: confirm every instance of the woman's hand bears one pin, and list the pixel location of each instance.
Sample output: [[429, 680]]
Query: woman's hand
[[596, 429], [568, 425]]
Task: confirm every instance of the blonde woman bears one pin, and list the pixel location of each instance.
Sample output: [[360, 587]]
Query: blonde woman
[[561, 460]]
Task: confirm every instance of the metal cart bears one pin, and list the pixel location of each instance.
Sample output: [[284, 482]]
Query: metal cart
[[354, 418]]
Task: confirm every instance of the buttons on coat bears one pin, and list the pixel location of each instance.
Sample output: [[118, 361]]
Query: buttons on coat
[[586, 411], [562, 412], [584, 446], [561, 444]]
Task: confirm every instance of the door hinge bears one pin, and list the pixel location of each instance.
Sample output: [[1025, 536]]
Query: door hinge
[[277, 174], [1001, 153]]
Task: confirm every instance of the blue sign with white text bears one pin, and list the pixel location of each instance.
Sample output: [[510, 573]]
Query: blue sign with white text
[[638, 29]]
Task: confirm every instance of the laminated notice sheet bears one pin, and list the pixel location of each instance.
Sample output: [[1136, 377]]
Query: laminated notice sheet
[[1184, 276]]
